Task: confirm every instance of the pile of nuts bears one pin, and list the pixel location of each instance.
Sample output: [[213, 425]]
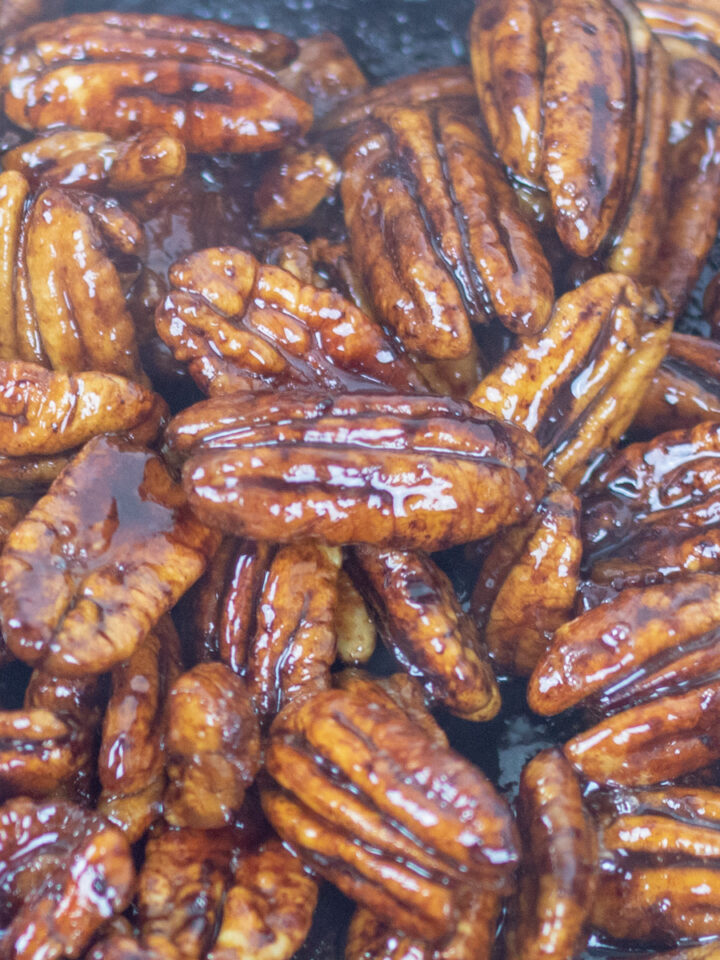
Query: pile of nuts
[[270, 340]]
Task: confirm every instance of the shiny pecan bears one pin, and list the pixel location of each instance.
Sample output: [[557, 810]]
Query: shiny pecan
[[98, 560], [40, 753], [290, 191], [422, 623], [323, 73], [550, 916], [658, 878], [64, 871], [528, 581], [131, 764], [395, 820], [651, 512], [397, 471], [211, 85], [241, 325], [696, 20], [578, 385], [268, 908], [213, 747], [354, 627], [652, 654], [436, 232]]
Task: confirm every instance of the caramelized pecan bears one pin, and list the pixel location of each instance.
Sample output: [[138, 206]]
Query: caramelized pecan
[[289, 192], [354, 626], [697, 20], [40, 753], [323, 73]]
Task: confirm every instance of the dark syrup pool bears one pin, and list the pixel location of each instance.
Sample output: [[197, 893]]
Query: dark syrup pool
[[391, 38]]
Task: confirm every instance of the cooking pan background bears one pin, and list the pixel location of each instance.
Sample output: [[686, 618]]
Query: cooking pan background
[[390, 38]]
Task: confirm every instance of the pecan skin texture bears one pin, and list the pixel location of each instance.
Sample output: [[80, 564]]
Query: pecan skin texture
[[130, 548], [242, 325], [213, 744], [67, 870], [336, 740], [428, 472], [243, 109]]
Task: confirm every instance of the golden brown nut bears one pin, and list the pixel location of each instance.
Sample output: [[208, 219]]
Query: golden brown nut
[[213, 747], [12, 510], [436, 232], [528, 581], [92, 160], [396, 821], [696, 20], [242, 325], [96, 562], [425, 628], [40, 753], [64, 871], [180, 889], [211, 85], [397, 471], [131, 765], [290, 191], [323, 73], [354, 627], [550, 916], [268, 909], [650, 512], [578, 385]]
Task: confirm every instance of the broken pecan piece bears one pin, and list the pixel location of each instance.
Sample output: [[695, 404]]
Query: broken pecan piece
[[211, 85], [396, 821], [98, 560], [397, 471], [289, 192]]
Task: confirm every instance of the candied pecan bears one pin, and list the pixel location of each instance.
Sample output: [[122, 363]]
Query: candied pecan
[[373, 804], [323, 73], [354, 627], [397, 471], [180, 889], [63, 872], [131, 765], [93, 160], [454, 378], [126, 947], [213, 747], [12, 510], [651, 512], [294, 187], [29, 476], [98, 560], [528, 581], [578, 385], [697, 20], [658, 880], [240, 324], [211, 85], [39, 752], [436, 232], [268, 908], [549, 917], [423, 625]]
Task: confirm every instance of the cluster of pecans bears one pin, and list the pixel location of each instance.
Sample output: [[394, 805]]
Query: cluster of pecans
[[270, 339]]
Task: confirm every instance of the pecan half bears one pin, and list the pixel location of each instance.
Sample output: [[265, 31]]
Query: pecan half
[[64, 871], [40, 753], [241, 325], [213, 746], [396, 471], [393, 819], [98, 560], [436, 232], [578, 385], [211, 85], [290, 192], [528, 581]]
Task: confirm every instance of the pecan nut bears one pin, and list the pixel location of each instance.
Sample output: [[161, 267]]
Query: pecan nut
[[208, 84], [395, 820], [396, 471], [41, 753], [354, 626], [323, 73], [291, 191]]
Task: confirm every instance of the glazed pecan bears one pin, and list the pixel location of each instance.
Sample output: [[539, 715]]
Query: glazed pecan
[[243, 325], [652, 654], [40, 753], [213, 747], [76, 158], [290, 191], [528, 581], [98, 560], [323, 73], [578, 385], [550, 916], [436, 232], [354, 626], [211, 85], [424, 626], [124, 946], [64, 871], [395, 820], [397, 471], [658, 878], [696, 20], [268, 909], [651, 512]]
